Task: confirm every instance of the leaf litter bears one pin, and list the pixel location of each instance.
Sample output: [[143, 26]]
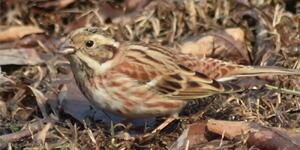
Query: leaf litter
[[42, 108]]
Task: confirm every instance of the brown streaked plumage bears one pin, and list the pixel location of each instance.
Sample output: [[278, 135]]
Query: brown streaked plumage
[[143, 80]]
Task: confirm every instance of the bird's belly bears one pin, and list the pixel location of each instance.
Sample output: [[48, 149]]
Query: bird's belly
[[101, 99], [133, 107], [120, 95]]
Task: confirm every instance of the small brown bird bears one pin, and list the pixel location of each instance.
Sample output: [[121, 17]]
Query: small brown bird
[[144, 80]]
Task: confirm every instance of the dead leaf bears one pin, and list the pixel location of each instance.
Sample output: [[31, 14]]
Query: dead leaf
[[23, 113], [122, 12], [22, 56], [42, 40], [3, 109], [40, 100], [228, 45], [78, 22], [26, 132], [14, 102], [16, 32], [58, 4], [48, 6], [194, 134], [201, 47], [5, 80], [41, 136], [261, 137]]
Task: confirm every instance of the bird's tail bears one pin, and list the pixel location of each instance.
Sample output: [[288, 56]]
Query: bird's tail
[[249, 71]]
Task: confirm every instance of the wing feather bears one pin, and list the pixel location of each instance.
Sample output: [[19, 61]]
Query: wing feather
[[160, 69]]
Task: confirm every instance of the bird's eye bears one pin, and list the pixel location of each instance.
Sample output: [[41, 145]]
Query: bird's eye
[[89, 43]]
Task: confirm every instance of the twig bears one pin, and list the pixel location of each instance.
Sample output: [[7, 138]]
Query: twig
[[14, 137], [283, 90]]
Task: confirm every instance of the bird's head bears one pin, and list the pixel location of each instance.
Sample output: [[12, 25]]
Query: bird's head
[[90, 46]]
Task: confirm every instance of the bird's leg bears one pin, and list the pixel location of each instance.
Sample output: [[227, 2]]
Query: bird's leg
[[165, 123]]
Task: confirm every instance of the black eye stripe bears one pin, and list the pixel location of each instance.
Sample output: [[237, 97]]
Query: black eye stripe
[[89, 43]]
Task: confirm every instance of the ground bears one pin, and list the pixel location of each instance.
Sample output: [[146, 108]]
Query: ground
[[40, 106]]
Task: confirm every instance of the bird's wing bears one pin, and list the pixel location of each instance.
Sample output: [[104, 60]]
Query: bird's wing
[[159, 69]]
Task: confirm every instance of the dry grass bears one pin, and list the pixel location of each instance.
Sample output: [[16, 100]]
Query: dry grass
[[272, 38]]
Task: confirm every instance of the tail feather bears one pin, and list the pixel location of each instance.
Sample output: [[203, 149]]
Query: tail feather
[[248, 71], [257, 71], [223, 71]]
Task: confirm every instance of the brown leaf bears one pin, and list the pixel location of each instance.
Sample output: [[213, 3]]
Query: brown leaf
[[228, 45], [39, 39], [261, 137], [3, 109], [194, 134], [16, 101], [79, 22], [28, 131], [123, 12], [22, 56], [5, 80], [23, 113], [40, 100], [41, 136], [201, 47], [108, 12], [16, 32], [50, 5]]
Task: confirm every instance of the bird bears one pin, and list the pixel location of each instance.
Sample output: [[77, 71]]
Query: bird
[[139, 80]]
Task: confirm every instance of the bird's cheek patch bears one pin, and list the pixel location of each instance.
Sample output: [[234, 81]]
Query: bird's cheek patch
[[103, 53], [110, 55], [99, 56], [111, 51]]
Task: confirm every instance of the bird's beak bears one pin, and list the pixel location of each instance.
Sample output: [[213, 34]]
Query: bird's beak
[[66, 48]]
